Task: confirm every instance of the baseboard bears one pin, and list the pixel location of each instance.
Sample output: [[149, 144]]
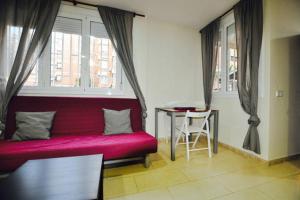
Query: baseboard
[[229, 147], [246, 154], [241, 152], [284, 159]]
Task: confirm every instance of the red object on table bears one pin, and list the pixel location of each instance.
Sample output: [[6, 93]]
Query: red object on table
[[184, 109]]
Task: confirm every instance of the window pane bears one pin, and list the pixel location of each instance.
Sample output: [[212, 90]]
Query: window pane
[[33, 77], [102, 58], [66, 53], [217, 79], [231, 59], [14, 35]]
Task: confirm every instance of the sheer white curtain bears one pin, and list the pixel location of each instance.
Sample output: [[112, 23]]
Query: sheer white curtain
[[25, 26]]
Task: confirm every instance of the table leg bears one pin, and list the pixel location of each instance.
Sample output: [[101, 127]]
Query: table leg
[[216, 131], [156, 122], [100, 188], [173, 138]]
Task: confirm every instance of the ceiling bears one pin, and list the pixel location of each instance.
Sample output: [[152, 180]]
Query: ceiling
[[193, 13]]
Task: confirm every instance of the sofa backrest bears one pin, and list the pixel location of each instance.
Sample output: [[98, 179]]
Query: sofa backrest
[[74, 115]]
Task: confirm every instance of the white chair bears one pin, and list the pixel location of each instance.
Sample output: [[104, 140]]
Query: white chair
[[185, 131]]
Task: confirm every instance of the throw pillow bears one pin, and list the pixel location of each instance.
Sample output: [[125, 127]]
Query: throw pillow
[[33, 125], [117, 121]]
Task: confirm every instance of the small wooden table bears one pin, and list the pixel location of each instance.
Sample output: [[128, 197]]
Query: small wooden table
[[66, 178], [175, 113]]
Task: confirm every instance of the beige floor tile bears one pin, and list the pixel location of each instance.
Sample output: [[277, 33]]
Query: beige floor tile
[[296, 163], [205, 189], [226, 175], [278, 170], [118, 186], [214, 167], [161, 194], [159, 179], [126, 171], [157, 162], [243, 179], [202, 171], [284, 188], [248, 194]]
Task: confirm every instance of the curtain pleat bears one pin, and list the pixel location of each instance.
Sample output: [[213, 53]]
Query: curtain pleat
[[209, 47], [35, 19], [118, 24], [248, 16]]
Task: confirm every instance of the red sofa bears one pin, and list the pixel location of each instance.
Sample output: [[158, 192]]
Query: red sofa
[[77, 129]]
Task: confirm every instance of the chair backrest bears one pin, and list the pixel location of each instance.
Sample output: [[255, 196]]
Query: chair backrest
[[198, 115]]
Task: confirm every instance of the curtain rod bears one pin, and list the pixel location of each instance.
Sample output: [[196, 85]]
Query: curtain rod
[[225, 13], [93, 5], [228, 11]]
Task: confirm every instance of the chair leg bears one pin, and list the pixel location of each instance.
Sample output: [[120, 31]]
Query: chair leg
[[196, 140], [187, 147], [178, 138]]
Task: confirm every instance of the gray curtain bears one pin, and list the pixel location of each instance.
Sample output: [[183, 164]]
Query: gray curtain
[[249, 28], [209, 47], [118, 24], [34, 19]]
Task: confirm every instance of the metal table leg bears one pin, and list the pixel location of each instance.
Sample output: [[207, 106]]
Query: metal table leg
[[156, 122], [216, 131], [173, 124]]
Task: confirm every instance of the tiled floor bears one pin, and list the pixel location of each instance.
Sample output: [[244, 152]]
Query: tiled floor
[[226, 176]]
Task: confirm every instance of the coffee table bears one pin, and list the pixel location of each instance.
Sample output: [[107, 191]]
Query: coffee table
[[65, 178]]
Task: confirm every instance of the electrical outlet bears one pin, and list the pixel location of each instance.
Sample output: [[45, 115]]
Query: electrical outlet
[[279, 93]]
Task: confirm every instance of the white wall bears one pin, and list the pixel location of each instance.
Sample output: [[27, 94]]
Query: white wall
[[168, 64], [278, 130], [233, 122], [284, 50]]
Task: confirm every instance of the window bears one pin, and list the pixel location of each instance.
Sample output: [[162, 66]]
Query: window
[[225, 80], [66, 53], [231, 59], [103, 60], [218, 78], [33, 78], [14, 35], [78, 59]]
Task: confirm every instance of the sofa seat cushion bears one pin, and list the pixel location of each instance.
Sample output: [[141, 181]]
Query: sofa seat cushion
[[13, 154]]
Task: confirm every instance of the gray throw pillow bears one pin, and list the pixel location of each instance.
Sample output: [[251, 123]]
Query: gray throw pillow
[[117, 121], [33, 125]]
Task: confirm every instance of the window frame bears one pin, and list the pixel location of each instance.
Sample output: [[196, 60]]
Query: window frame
[[119, 71], [226, 21], [44, 87]]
